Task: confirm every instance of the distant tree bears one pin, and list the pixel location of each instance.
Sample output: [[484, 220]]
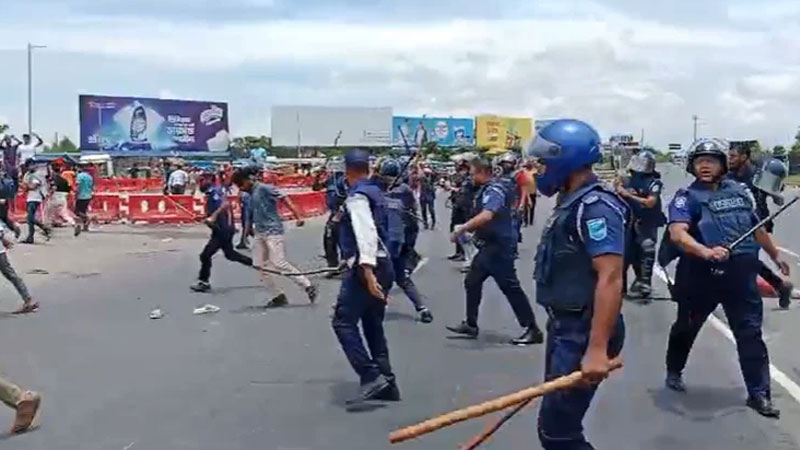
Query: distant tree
[[778, 150], [65, 145], [241, 146], [3, 127], [796, 145]]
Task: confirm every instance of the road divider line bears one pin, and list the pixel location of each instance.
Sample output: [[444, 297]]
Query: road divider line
[[788, 252], [776, 374]]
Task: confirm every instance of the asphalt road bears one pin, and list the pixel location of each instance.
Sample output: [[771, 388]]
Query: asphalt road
[[248, 379]]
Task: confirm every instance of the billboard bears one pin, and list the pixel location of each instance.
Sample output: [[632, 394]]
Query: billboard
[[323, 126], [445, 131], [132, 124], [503, 132]]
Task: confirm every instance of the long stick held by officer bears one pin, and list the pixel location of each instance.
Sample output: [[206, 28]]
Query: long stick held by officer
[[578, 275], [704, 220]]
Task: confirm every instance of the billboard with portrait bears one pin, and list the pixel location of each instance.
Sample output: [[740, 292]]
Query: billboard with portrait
[[444, 131], [134, 124], [502, 132]]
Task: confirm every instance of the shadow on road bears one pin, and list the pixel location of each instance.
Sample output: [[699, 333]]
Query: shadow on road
[[700, 403]]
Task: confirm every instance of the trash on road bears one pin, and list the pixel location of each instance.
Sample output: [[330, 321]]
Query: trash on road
[[38, 272], [156, 314], [207, 309]]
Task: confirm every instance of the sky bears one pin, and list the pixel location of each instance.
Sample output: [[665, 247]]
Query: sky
[[625, 66]]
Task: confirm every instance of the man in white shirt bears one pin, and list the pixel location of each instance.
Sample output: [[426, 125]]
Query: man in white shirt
[[35, 184], [177, 181], [28, 149]]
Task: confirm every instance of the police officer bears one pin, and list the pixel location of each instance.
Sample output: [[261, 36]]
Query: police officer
[[401, 211], [369, 275], [506, 173], [741, 169], [578, 275], [335, 194], [704, 219], [461, 202], [642, 190], [496, 238]]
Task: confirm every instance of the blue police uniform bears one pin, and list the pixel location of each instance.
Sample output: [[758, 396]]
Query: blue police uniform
[[355, 304], [335, 194], [589, 222], [497, 250], [402, 234], [717, 218], [510, 185], [644, 232]]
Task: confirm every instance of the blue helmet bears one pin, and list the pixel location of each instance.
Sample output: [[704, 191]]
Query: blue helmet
[[563, 146], [390, 168]]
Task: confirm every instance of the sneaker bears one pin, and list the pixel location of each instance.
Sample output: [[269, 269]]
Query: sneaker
[[201, 286], [48, 234], [242, 246], [27, 307], [312, 292], [26, 408], [29, 240], [531, 336], [785, 295], [390, 394], [425, 315], [465, 329], [77, 231], [674, 382], [456, 257], [278, 301]]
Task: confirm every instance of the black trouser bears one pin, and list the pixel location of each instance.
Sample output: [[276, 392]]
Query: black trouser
[[770, 277], [5, 218], [330, 241], [427, 206], [499, 264], [641, 255], [457, 217], [701, 289], [530, 210], [220, 240]]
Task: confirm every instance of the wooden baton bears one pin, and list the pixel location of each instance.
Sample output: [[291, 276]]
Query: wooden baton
[[490, 406]]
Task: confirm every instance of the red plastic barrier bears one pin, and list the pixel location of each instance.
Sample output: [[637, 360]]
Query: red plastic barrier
[[294, 181], [309, 203], [159, 208], [154, 184], [105, 208]]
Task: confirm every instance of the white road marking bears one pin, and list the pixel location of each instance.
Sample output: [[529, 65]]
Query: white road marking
[[776, 374], [788, 252]]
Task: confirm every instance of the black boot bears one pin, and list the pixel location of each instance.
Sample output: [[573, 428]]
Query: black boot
[[674, 382], [390, 394], [763, 405], [375, 389], [465, 329], [532, 335]]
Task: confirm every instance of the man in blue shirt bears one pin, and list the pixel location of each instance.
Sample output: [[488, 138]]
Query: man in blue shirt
[[220, 220], [84, 187], [269, 239], [496, 237], [704, 219], [578, 274]]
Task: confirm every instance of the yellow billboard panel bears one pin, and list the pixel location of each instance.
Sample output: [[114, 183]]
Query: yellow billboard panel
[[501, 131]]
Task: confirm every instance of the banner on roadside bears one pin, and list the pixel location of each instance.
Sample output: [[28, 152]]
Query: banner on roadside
[[504, 132], [134, 124], [444, 131]]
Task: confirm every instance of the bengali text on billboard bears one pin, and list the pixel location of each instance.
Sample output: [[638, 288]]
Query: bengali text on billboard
[[444, 131], [502, 132], [127, 124]]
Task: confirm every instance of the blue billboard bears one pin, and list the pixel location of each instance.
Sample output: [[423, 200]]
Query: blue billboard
[[445, 131], [127, 124]]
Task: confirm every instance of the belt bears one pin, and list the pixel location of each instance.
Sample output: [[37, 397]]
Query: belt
[[566, 312]]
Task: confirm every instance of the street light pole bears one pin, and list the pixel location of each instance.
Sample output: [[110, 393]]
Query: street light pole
[[694, 119], [31, 47]]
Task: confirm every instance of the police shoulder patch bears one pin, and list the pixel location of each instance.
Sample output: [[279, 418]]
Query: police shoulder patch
[[680, 202], [597, 228], [591, 198]]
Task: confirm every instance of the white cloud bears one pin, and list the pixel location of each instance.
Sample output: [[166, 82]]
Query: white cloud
[[579, 58]]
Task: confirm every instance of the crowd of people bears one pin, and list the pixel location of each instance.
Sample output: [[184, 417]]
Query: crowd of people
[[596, 231]]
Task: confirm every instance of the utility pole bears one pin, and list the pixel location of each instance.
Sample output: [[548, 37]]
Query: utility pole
[[694, 134], [641, 138], [31, 47]]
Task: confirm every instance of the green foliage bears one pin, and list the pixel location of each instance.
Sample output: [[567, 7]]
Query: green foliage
[[778, 150], [241, 146], [3, 127], [65, 145]]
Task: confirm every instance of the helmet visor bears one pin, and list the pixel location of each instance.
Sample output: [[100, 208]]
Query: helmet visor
[[541, 149]]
